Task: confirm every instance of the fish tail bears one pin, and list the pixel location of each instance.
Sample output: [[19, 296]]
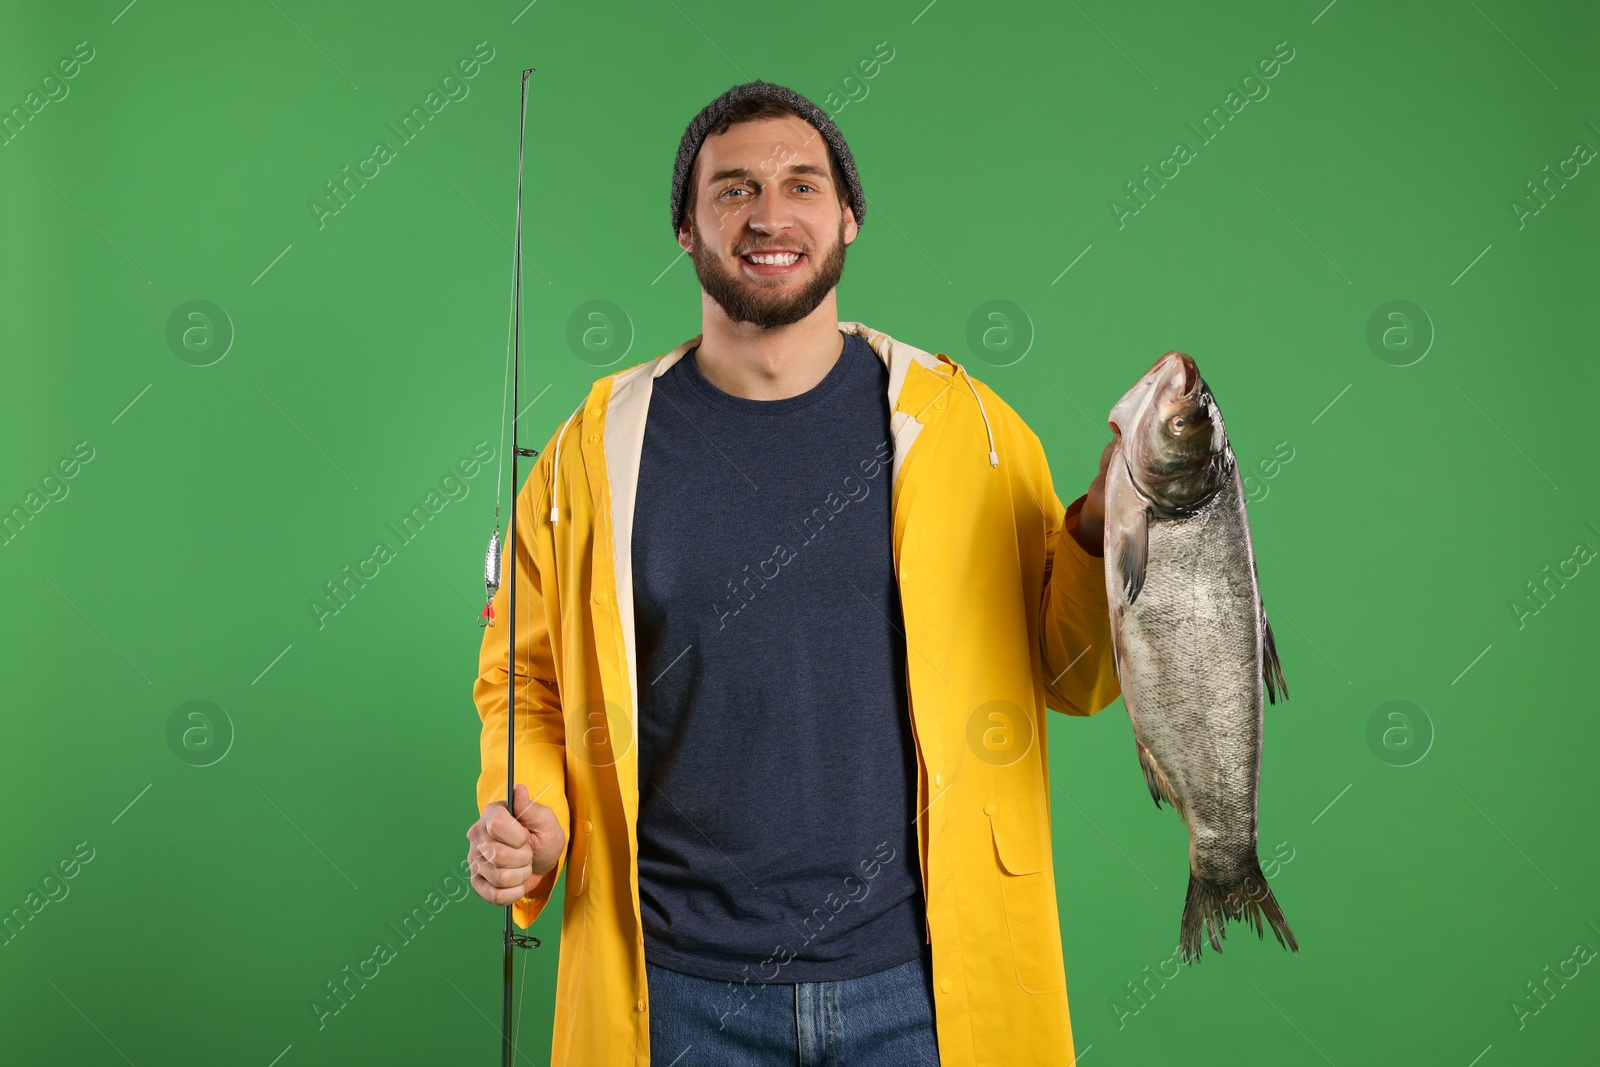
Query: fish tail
[[1211, 903]]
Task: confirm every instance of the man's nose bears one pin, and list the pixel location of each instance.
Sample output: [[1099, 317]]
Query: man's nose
[[771, 215]]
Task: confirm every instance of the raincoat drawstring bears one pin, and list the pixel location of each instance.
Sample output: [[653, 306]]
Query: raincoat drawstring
[[994, 457]]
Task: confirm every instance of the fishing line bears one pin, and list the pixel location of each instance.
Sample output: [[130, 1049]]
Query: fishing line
[[491, 563]]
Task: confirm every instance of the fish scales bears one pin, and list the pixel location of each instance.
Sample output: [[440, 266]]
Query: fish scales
[[1193, 646]]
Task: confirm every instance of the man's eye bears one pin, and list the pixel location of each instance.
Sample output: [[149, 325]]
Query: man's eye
[[725, 192], [803, 185]]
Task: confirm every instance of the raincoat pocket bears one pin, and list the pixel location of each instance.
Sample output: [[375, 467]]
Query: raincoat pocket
[[1021, 831]]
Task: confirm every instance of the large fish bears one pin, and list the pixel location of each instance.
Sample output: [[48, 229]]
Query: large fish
[[1190, 635]]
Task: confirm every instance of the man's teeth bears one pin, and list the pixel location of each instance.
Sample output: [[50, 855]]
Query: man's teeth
[[782, 259]]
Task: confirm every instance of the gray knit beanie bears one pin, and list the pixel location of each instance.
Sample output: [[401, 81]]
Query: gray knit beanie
[[695, 135]]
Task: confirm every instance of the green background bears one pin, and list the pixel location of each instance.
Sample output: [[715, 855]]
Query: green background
[[1432, 870]]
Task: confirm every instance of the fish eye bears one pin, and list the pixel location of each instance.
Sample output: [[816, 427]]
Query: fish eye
[[1178, 423]]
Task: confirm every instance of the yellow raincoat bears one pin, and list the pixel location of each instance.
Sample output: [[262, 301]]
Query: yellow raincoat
[[1005, 614]]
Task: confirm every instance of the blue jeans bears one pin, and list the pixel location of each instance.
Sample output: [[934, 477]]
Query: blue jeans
[[883, 1019]]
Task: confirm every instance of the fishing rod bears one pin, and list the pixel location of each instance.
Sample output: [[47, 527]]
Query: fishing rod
[[491, 573]]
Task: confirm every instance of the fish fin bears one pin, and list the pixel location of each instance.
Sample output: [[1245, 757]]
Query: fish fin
[[1154, 777], [1210, 904], [1271, 666], [1116, 646], [1134, 554]]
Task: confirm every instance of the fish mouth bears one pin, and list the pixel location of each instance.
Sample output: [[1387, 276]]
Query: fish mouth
[[1160, 459], [1191, 375], [1172, 378], [1185, 376]]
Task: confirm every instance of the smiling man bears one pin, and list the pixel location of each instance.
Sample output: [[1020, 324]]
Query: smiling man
[[795, 598]]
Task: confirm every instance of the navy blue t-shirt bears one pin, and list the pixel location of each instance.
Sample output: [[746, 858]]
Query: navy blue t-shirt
[[777, 769]]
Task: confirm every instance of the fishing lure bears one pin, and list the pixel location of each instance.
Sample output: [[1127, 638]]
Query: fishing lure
[[491, 572]]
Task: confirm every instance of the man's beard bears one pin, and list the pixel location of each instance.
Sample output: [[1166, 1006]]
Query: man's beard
[[762, 304]]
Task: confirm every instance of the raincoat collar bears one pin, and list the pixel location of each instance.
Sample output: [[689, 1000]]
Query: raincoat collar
[[629, 402]]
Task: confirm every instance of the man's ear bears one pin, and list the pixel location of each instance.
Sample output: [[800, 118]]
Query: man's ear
[[686, 237], [850, 227]]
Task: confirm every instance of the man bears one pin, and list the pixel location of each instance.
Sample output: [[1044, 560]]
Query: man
[[796, 596]]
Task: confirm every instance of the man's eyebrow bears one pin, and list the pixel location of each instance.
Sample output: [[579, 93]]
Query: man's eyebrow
[[746, 172]]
